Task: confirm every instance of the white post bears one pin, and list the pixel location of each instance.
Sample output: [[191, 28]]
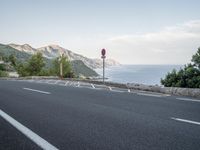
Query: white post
[[61, 66]]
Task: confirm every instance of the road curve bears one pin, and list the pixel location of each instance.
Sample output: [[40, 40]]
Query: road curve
[[82, 118]]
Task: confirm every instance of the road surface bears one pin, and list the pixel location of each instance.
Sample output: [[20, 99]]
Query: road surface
[[78, 116]]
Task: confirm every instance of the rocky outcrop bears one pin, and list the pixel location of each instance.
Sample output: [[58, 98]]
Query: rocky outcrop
[[24, 48]]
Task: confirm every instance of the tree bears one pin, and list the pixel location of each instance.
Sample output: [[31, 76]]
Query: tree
[[2, 67], [33, 67], [196, 58], [13, 60], [3, 74], [66, 66], [35, 64], [22, 69], [189, 76]]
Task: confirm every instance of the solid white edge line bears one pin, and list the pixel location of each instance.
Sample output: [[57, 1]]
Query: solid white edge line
[[145, 94], [188, 99], [28, 133], [36, 91], [118, 91], [187, 121]]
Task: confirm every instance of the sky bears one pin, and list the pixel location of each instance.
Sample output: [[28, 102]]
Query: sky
[[132, 31]]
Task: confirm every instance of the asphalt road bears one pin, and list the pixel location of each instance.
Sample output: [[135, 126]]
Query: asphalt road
[[81, 118]]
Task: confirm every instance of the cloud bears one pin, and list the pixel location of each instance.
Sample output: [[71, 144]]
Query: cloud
[[171, 45]]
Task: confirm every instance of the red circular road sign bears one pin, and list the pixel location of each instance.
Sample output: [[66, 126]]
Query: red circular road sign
[[103, 52]]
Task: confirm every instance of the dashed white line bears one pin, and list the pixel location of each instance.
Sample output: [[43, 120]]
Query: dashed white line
[[28, 133], [93, 86], [187, 121], [146, 94], [34, 90], [188, 99]]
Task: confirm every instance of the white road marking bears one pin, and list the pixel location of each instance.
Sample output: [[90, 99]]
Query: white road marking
[[188, 99], [36, 91], [28, 133], [187, 121], [66, 83], [78, 84], [70, 83], [146, 94], [49, 81], [117, 91], [57, 81], [110, 88], [93, 86], [129, 90]]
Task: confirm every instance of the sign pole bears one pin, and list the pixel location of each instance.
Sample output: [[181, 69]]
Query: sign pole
[[103, 56], [103, 70]]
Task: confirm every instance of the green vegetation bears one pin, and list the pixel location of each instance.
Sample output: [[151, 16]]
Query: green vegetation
[[3, 74], [67, 71], [13, 60], [189, 76], [6, 51], [33, 67], [23, 62]]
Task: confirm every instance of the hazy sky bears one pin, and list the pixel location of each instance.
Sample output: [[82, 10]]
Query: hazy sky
[[132, 31]]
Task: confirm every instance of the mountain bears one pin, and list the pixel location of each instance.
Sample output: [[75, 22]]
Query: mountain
[[7, 50], [24, 48], [52, 51], [24, 52]]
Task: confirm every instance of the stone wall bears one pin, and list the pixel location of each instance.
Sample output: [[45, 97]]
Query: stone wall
[[193, 92]]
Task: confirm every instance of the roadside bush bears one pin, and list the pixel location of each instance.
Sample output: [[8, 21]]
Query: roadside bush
[[188, 77], [3, 74]]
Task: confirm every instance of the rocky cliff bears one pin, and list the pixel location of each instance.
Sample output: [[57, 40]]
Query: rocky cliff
[[52, 51]]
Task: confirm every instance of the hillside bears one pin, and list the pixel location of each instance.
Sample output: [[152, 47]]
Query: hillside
[[6, 50], [78, 67], [52, 51]]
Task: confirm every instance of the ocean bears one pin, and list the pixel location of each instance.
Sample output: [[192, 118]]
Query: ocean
[[143, 74]]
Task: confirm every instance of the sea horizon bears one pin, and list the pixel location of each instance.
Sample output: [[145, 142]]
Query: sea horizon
[[149, 74]]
